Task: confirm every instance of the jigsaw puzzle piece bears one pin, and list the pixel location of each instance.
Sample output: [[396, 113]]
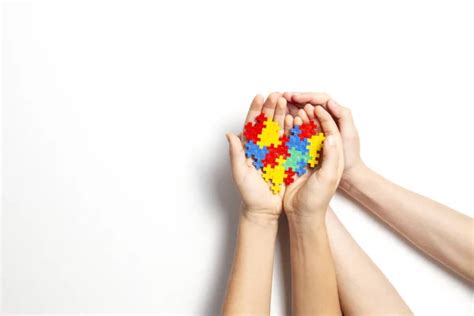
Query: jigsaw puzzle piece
[[252, 130], [297, 143], [301, 169], [314, 147], [270, 134], [252, 150], [275, 174], [307, 130], [289, 176]]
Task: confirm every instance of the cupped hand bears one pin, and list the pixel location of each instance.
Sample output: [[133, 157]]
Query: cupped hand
[[298, 103], [256, 195], [309, 195]]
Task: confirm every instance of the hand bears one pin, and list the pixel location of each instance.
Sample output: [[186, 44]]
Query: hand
[[259, 201], [309, 195], [299, 102]]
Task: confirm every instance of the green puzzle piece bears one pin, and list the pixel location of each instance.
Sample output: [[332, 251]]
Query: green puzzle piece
[[294, 159]]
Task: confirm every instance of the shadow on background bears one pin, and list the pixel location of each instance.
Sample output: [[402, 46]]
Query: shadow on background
[[227, 199]]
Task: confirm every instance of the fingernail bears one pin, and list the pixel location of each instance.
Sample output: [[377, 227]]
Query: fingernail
[[329, 141]]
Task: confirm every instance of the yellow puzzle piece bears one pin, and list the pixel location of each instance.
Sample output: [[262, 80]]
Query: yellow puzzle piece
[[270, 134], [315, 145], [275, 175]]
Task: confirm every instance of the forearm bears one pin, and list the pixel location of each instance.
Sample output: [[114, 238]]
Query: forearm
[[363, 288], [441, 232], [250, 281], [314, 286]]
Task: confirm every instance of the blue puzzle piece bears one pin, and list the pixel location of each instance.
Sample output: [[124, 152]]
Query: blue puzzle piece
[[295, 130], [258, 164], [301, 170], [258, 154], [295, 141], [298, 144]]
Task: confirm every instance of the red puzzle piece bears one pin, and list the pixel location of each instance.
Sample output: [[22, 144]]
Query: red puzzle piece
[[252, 130], [307, 130], [289, 176]]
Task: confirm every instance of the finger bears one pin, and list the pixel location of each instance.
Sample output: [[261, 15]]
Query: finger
[[309, 109], [280, 113], [236, 153], [297, 121], [313, 98], [293, 109], [287, 96], [334, 143], [304, 116], [288, 124], [342, 115], [270, 103], [327, 122], [330, 166], [255, 108]]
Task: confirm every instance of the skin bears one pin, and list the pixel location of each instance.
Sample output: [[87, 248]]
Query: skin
[[250, 281], [446, 235], [314, 281], [363, 288], [314, 286]]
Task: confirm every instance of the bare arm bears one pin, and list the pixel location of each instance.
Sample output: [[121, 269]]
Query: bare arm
[[314, 286], [250, 281], [313, 275], [363, 288], [441, 232]]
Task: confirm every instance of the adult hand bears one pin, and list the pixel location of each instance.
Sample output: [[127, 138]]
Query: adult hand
[[300, 103]]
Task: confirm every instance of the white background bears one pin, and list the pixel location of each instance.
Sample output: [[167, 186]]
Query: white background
[[117, 194]]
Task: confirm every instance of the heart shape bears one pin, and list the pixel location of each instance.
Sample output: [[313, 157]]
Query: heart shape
[[281, 157]]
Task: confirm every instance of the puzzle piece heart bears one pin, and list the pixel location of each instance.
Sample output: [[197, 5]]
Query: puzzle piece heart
[[281, 157]]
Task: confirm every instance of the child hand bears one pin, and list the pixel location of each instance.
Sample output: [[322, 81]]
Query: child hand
[[259, 202], [310, 194]]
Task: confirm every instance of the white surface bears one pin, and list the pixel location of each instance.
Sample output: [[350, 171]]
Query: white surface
[[104, 212]]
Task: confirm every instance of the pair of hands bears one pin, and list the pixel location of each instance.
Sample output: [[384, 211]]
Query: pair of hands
[[308, 195]]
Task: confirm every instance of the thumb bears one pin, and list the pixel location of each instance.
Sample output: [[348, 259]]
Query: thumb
[[236, 152], [343, 116], [330, 168]]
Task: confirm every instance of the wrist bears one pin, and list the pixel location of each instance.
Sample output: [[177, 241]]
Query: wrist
[[260, 217], [306, 223], [351, 176]]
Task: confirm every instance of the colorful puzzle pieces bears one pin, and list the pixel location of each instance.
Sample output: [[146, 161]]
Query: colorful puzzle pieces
[[280, 157]]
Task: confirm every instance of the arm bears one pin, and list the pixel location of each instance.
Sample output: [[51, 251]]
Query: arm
[[306, 200], [250, 282], [441, 232], [312, 268], [363, 288]]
